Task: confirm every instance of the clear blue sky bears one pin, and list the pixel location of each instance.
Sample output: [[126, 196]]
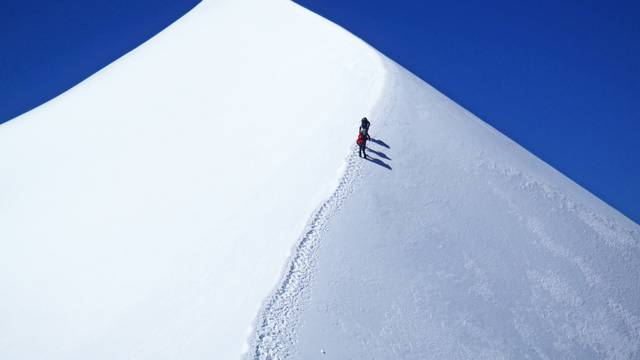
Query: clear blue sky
[[562, 78]]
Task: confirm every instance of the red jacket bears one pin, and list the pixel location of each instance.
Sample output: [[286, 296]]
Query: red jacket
[[361, 139]]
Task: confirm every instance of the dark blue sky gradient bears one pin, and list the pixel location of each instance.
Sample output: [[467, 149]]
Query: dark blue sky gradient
[[562, 78]]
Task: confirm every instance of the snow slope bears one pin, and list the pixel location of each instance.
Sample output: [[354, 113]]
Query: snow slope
[[148, 211], [453, 242]]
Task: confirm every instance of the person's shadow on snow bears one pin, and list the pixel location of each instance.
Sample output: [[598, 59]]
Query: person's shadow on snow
[[379, 153], [379, 162], [380, 142]]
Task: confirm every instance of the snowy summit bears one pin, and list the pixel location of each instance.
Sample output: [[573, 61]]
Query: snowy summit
[[202, 197]]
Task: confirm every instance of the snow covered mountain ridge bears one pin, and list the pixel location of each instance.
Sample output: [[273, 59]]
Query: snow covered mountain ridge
[[150, 211]]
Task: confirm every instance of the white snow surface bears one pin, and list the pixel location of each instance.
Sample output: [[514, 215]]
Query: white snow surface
[[201, 198]]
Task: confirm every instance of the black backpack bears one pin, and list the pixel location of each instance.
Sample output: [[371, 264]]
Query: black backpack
[[365, 123]]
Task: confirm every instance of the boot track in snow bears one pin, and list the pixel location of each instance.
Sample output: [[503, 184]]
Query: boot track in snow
[[276, 323]]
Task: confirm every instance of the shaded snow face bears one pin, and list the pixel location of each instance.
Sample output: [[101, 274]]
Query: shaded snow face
[[456, 243]]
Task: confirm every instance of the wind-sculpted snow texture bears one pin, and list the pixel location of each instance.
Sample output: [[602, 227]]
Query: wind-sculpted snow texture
[[456, 243]]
